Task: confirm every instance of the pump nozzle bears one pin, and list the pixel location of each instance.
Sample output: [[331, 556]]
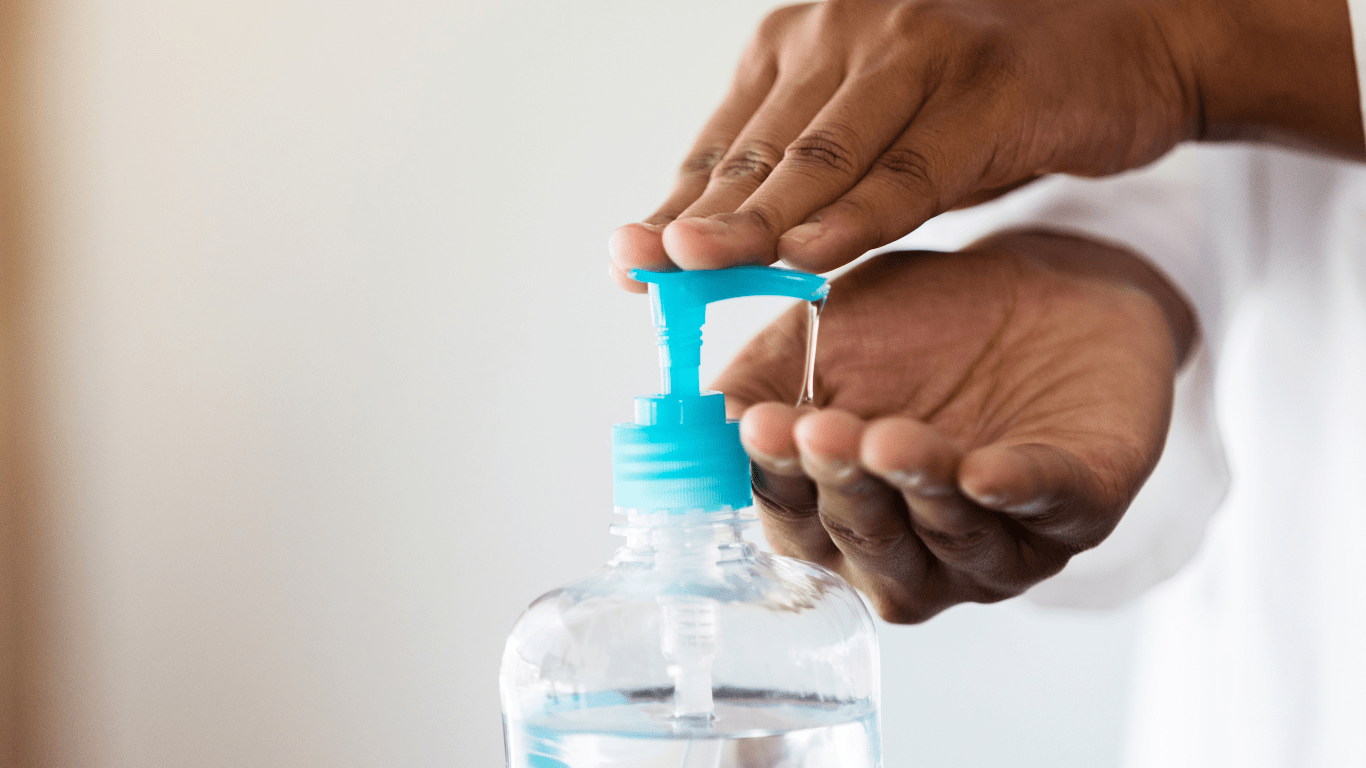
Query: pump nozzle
[[678, 302], [681, 454]]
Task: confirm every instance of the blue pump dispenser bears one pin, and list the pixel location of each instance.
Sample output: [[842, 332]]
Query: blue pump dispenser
[[682, 454]]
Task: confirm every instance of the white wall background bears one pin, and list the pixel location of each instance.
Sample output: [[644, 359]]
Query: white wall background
[[329, 358]]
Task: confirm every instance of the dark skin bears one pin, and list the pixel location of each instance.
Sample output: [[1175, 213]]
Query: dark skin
[[985, 415], [851, 122]]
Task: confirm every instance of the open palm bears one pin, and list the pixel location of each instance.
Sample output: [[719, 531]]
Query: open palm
[[983, 416]]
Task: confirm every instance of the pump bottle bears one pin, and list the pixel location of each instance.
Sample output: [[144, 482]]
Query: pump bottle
[[691, 648]]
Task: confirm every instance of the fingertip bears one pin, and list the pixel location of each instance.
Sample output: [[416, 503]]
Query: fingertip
[[636, 246], [808, 248], [1006, 478], [766, 434], [624, 281], [829, 433], [830, 238], [908, 453], [885, 445], [798, 245]]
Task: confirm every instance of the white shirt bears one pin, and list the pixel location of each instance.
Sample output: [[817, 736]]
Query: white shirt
[[1254, 653], [1249, 536]]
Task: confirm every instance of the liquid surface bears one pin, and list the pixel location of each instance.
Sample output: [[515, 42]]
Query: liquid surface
[[742, 736]]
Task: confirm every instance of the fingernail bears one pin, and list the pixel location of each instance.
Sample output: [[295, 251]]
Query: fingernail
[[993, 500], [917, 483], [803, 233], [903, 479], [1031, 507], [837, 471], [655, 228], [782, 465]]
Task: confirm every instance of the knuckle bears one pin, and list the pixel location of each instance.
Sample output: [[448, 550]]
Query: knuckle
[[911, 171], [974, 48], [967, 545], [837, 13], [905, 611], [861, 543], [825, 148], [778, 20], [748, 165], [1003, 577], [765, 219], [782, 510], [989, 57], [932, 18], [909, 166], [702, 161]]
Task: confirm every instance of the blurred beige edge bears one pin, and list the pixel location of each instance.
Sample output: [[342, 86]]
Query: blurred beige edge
[[15, 486]]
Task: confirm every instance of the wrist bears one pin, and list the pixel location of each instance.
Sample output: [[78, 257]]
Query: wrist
[[1269, 70]]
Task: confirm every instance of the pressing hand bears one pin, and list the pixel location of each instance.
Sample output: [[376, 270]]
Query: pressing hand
[[851, 122]]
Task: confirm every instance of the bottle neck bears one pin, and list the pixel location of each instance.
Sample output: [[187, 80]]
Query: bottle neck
[[686, 541]]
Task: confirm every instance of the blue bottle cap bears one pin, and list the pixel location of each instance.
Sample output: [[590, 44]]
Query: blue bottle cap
[[682, 453]]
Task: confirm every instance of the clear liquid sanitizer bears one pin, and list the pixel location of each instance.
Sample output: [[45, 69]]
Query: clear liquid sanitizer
[[692, 649]]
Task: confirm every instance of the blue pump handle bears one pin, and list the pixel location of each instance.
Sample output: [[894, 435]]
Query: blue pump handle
[[678, 303]]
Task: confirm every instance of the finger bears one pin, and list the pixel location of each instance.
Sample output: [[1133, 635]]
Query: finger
[[785, 497], [635, 246], [638, 245], [789, 108], [942, 158], [1048, 490], [924, 466], [825, 161], [864, 517]]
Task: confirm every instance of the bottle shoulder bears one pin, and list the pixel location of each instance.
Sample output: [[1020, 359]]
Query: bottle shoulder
[[776, 598], [759, 578]]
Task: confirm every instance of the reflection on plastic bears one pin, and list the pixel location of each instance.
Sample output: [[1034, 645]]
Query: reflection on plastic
[[608, 671]]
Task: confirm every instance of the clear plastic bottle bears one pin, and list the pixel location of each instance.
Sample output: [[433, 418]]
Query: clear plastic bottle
[[691, 648]]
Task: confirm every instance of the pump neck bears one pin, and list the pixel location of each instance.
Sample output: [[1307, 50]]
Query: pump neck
[[688, 541], [678, 305], [681, 452]]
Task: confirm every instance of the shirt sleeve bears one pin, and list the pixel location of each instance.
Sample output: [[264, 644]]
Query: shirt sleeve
[[1356, 10], [1162, 213]]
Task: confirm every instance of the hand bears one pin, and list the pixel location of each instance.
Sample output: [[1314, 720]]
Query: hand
[[851, 122], [984, 416]]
